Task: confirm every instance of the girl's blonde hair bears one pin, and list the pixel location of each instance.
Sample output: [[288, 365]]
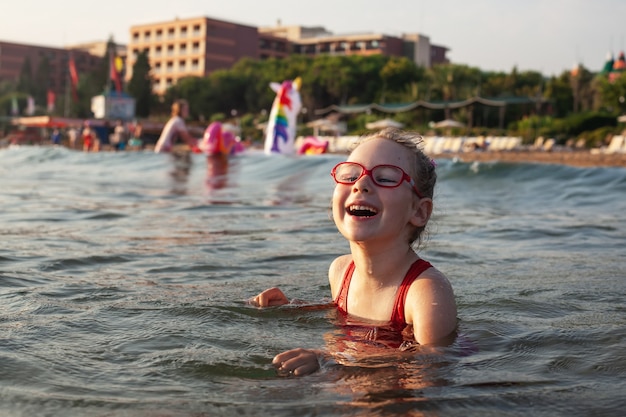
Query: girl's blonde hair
[[422, 170]]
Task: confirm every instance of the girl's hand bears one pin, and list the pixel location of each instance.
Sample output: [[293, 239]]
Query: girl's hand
[[270, 298], [296, 362]]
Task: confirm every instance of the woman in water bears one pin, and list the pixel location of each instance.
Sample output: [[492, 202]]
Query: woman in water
[[382, 203], [175, 127]]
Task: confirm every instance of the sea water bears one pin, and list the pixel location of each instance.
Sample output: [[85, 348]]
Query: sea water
[[124, 279]]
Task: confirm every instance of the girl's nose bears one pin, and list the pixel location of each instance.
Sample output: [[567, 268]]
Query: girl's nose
[[363, 184]]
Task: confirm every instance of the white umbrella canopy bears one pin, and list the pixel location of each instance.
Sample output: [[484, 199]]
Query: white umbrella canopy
[[384, 123], [448, 123], [327, 125], [320, 123]]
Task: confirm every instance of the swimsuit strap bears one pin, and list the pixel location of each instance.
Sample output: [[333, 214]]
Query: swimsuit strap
[[397, 315], [416, 269], [342, 297]]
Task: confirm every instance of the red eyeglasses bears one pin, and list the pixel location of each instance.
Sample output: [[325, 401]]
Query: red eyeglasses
[[387, 176]]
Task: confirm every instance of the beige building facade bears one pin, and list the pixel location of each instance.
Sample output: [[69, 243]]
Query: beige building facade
[[190, 47], [198, 46]]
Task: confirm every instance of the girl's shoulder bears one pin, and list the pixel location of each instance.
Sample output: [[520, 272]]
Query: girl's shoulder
[[336, 272], [339, 264]]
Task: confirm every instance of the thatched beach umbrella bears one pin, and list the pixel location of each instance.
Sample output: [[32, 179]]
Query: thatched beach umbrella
[[383, 123]]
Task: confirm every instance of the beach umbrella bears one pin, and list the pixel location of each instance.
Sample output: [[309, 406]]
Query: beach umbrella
[[326, 125], [384, 123], [447, 123]]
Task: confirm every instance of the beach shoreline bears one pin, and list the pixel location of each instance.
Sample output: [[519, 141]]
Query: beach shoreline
[[576, 158], [504, 149]]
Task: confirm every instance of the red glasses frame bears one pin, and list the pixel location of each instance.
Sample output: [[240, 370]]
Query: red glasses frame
[[364, 171]]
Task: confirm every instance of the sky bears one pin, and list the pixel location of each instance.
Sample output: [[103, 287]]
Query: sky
[[548, 36]]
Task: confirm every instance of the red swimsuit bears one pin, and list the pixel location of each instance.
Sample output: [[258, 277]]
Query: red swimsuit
[[397, 322]]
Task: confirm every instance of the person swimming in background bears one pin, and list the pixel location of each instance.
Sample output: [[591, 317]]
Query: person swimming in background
[[175, 127], [382, 202]]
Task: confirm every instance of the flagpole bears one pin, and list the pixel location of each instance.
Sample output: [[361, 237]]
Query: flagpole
[[66, 110], [109, 78]]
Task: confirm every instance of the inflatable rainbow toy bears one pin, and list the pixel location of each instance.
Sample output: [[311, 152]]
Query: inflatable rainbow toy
[[313, 146], [281, 127]]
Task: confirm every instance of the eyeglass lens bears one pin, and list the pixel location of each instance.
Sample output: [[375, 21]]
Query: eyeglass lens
[[382, 175]]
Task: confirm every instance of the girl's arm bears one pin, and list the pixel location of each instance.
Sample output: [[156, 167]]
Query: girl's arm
[[431, 308]]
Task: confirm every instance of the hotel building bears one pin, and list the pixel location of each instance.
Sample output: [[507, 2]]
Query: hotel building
[[185, 47], [317, 40], [199, 46], [13, 56]]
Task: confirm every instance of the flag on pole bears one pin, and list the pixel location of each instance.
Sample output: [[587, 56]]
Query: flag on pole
[[30, 106], [51, 98], [73, 78], [114, 74], [15, 110]]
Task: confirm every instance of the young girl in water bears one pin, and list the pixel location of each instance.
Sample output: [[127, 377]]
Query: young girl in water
[[381, 205]]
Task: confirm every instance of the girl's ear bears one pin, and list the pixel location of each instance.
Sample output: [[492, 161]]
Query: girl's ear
[[422, 209]]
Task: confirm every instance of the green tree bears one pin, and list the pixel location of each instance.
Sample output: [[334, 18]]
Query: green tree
[[25, 81], [396, 75], [612, 95], [41, 81], [140, 85], [559, 91]]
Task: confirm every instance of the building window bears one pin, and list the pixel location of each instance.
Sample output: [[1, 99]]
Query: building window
[[182, 65], [170, 33], [170, 67], [170, 50], [194, 65], [195, 48], [183, 48], [159, 35], [135, 37], [157, 51], [183, 32], [146, 36], [196, 30]]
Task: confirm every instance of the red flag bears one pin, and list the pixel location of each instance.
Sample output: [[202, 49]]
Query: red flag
[[51, 100], [74, 78], [115, 76]]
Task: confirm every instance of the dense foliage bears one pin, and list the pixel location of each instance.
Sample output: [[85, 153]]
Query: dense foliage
[[243, 91]]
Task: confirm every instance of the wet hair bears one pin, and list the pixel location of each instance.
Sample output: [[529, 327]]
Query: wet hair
[[422, 166]]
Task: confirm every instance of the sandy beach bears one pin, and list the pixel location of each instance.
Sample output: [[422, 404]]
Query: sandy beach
[[557, 155], [578, 158]]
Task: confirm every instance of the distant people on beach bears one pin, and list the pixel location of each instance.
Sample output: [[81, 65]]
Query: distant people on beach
[[72, 135], [55, 137], [89, 138], [118, 137], [175, 128], [136, 142], [383, 291]]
